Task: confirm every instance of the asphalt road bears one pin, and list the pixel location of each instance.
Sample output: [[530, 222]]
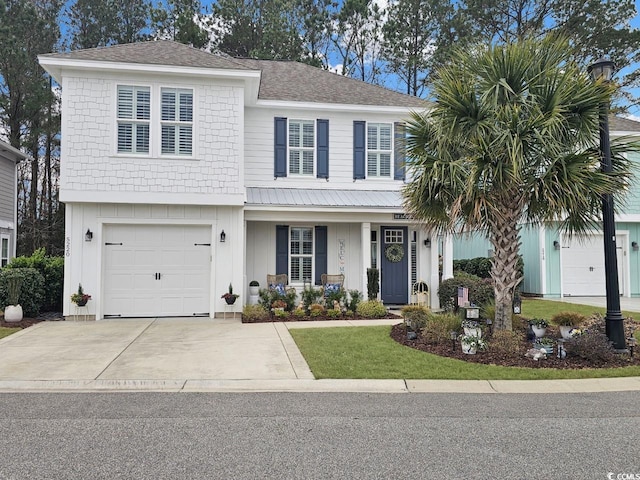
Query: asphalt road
[[323, 436]]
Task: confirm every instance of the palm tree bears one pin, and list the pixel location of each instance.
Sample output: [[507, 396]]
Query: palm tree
[[512, 138]]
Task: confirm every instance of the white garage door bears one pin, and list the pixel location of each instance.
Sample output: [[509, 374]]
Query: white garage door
[[583, 271], [156, 270]]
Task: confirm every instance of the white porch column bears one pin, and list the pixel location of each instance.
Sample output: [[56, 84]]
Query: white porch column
[[447, 257], [365, 240], [434, 270]]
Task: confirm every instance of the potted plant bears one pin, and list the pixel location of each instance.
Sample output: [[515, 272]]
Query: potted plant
[[471, 344], [13, 311], [567, 321], [254, 287], [230, 297], [472, 327], [80, 298], [545, 343], [539, 326]]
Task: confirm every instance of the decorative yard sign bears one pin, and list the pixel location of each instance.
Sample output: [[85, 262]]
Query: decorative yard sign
[[401, 216], [342, 249]]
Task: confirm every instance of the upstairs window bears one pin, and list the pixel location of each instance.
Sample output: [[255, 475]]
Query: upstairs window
[[379, 149], [301, 147], [176, 121], [134, 112]]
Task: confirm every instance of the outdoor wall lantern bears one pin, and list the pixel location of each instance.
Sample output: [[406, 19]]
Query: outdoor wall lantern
[[427, 243], [88, 236], [635, 246], [556, 244], [223, 237]]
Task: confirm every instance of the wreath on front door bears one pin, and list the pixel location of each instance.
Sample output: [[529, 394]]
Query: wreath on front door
[[394, 252]]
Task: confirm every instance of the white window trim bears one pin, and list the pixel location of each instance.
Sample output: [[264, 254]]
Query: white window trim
[[312, 255], [155, 135], [379, 151], [134, 121], [4, 236], [312, 149], [176, 122]]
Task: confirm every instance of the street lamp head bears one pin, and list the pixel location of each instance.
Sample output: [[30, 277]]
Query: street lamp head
[[602, 68]]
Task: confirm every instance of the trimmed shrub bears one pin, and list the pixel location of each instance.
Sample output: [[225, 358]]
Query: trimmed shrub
[[480, 290], [267, 297], [415, 316], [299, 313], [31, 290], [310, 296], [334, 313], [568, 319], [504, 341], [254, 313], [355, 297], [592, 346], [371, 309], [52, 269], [480, 266], [373, 283], [439, 326]]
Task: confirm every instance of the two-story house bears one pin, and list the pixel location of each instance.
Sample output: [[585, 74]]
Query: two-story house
[[9, 158], [183, 172]]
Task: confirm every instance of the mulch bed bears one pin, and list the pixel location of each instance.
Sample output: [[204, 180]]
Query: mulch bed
[[320, 318], [507, 359], [27, 322]]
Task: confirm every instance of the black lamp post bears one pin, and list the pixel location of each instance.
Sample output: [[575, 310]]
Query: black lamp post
[[603, 69]]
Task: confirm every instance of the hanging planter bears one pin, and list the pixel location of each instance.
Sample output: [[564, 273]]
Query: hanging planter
[[394, 252]]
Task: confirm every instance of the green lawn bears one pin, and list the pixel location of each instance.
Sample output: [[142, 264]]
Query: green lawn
[[369, 352], [5, 332], [539, 308]]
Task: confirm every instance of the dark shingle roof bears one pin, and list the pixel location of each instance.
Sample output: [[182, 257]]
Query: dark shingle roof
[[158, 52], [620, 124], [280, 80], [299, 82]]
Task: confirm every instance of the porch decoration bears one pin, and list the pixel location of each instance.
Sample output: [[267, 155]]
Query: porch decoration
[[80, 298], [13, 311], [230, 297], [394, 252]]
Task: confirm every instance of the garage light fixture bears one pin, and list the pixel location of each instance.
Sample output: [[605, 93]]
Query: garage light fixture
[[556, 244], [223, 237], [427, 243], [635, 246], [88, 236]]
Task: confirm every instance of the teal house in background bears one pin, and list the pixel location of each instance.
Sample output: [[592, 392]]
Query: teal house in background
[[557, 266]]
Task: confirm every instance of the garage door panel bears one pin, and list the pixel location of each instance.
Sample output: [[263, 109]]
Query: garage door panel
[[131, 286]]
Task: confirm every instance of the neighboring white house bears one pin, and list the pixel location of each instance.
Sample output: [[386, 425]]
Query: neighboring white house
[[9, 158], [183, 172]]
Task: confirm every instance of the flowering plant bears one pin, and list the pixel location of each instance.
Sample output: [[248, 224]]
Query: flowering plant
[[230, 294], [80, 298], [539, 322], [473, 341], [470, 324], [278, 304]]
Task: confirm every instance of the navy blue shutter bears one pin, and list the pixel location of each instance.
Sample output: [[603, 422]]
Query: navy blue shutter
[[280, 147], [322, 148], [399, 149], [359, 150], [282, 249], [321, 253]]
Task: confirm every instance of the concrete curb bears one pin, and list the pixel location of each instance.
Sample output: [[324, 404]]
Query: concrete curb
[[591, 385]]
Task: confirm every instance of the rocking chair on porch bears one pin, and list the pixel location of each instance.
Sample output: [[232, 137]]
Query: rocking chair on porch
[[278, 283], [331, 283]]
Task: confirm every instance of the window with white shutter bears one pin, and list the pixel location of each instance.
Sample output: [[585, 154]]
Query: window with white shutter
[[301, 147], [134, 113], [379, 148], [176, 121]]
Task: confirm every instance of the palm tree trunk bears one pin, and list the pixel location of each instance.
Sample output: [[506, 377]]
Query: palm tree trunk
[[505, 238]]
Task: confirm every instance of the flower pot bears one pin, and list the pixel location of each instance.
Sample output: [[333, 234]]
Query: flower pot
[[565, 331], [547, 348], [81, 303], [538, 331], [468, 348], [230, 300], [473, 332], [13, 313], [254, 290]]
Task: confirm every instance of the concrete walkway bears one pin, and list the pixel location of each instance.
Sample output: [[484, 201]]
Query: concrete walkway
[[204, 355]]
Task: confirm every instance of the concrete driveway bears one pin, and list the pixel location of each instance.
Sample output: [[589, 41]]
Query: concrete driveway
[[151, 350]]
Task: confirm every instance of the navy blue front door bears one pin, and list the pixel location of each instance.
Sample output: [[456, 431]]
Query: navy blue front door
[[394, 262]]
